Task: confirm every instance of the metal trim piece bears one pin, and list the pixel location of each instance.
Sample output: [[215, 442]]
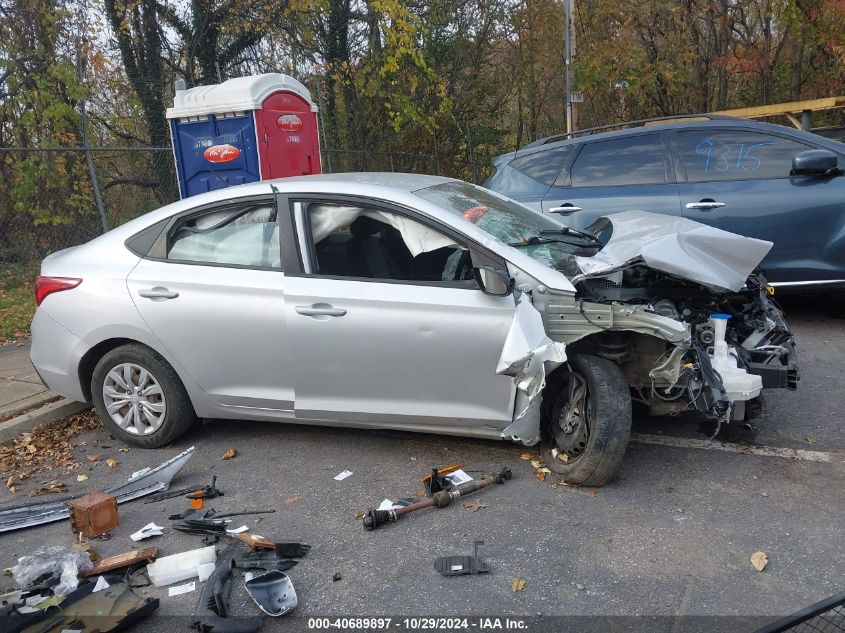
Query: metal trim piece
[[153, 480]]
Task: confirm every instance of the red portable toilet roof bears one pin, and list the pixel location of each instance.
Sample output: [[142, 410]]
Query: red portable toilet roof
[[241, 94]]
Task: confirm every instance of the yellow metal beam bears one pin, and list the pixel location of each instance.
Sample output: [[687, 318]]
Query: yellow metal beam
[[790, 107]]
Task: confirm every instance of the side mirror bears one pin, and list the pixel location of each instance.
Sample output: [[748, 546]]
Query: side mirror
[[814, 162], [494, 281]]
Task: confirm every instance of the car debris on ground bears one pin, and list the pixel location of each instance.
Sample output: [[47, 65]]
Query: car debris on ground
[[376, 517]]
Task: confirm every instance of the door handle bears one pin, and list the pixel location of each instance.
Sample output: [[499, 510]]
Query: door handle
[[565, 209], [706, 205], [320, 309], [158, 293]]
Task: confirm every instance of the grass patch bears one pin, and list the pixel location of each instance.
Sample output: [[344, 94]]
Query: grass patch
[[17, 303]]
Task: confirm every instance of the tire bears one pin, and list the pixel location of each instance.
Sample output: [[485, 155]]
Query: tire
[[592, 461], [158, 414]]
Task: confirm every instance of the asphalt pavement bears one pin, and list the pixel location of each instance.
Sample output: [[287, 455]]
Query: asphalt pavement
[[671, 537]]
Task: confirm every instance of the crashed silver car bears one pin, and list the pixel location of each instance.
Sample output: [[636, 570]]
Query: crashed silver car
[[409, 302]]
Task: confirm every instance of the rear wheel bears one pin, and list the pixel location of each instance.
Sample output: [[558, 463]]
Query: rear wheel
[[140, 398], [590, 422]]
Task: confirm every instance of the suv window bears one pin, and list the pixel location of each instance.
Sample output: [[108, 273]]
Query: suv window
[[736, 155], [543, 166], [245, 235], [634, 160]]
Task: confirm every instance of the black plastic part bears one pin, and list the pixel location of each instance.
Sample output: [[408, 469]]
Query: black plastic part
[[207, 492], [461, 565], [336, 576], [266, 563], [212, 609], [291, 549], [436, 483], [170, 494]]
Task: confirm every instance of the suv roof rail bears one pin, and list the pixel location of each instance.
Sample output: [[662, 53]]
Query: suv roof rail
[[674, 118]]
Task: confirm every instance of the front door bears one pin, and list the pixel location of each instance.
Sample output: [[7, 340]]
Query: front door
[[739, 181], [384, 334], [213, 295]]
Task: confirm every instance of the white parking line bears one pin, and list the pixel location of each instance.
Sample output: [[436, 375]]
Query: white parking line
[[712, 445]]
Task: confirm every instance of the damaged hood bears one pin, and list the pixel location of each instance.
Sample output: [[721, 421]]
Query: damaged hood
[[684, 248]]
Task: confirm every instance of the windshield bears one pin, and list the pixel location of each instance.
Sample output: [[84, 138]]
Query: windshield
[[541, 238]]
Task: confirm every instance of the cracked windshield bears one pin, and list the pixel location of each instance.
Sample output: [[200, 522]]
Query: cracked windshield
[[540, 237]]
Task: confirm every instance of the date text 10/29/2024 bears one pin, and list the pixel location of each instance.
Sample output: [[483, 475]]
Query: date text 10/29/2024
[[418, 624]]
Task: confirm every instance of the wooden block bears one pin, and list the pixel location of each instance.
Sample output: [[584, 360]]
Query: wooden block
[[121, 560]]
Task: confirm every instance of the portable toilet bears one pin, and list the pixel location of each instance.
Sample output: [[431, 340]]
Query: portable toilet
[[242, 130]]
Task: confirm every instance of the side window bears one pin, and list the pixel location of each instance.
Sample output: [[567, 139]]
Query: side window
[[365, 242], [543, 166], [634, 160], [244, 235], [736, 155]]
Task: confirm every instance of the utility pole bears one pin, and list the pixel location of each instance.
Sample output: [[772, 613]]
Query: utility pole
[[568, 10], [89, 159]]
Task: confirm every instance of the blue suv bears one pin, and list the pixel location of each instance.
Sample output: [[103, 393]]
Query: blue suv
[[756, 179]]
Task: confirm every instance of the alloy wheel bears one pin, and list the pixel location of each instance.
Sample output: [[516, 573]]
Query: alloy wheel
[[134, 399]]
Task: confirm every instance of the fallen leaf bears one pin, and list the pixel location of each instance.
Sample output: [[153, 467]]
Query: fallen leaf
[[82, 477], [10, 481], [526, 456], [811, 440], [517, 584], [759, 560], [536, 463], [293, 500], [12, 489], [541, 476], [53, 486], [419, 493], [92, 458], [231, 453], [359, 515], [111, 462], [593, 493], [475, 505], [125, 449], [544, 470]]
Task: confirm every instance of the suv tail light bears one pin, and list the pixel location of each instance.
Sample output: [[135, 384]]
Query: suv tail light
[[48, 285]]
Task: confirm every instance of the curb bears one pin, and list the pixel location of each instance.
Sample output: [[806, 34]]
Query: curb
[[56, 410]]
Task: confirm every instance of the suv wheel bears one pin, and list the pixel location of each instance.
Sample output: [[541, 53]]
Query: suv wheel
[[590, 423], [140, 398]]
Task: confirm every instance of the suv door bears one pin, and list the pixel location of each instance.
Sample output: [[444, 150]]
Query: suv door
[[379, 337], [620, 174], [739, 180], [210, 289]]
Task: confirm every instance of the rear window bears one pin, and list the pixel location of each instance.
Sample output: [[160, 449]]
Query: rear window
[[543, 166], [635, 160]]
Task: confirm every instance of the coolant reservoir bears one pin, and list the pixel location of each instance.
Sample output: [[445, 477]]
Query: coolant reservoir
[[738, 383]]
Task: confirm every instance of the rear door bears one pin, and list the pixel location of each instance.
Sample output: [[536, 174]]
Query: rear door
[[620, 174], [211, 290], [527, 177], [739, 180]]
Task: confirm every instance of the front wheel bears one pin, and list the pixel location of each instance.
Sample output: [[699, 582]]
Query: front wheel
[[590, 424], [140, 398]]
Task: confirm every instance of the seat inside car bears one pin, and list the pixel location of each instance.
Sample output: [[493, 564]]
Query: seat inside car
[[374, 252]]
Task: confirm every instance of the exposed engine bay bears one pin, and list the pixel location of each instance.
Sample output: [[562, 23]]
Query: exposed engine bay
[[737, 343]]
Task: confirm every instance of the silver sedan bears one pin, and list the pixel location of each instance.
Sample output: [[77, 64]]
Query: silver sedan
[[408, 302]]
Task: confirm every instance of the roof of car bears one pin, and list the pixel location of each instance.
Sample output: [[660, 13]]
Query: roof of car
[[393, 180], [651, 126]]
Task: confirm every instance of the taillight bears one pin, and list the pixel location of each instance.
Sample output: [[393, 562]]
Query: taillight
[[48, 285]]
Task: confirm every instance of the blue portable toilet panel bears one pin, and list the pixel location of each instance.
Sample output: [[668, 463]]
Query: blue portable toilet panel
[[217, 142], [214, 152]]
